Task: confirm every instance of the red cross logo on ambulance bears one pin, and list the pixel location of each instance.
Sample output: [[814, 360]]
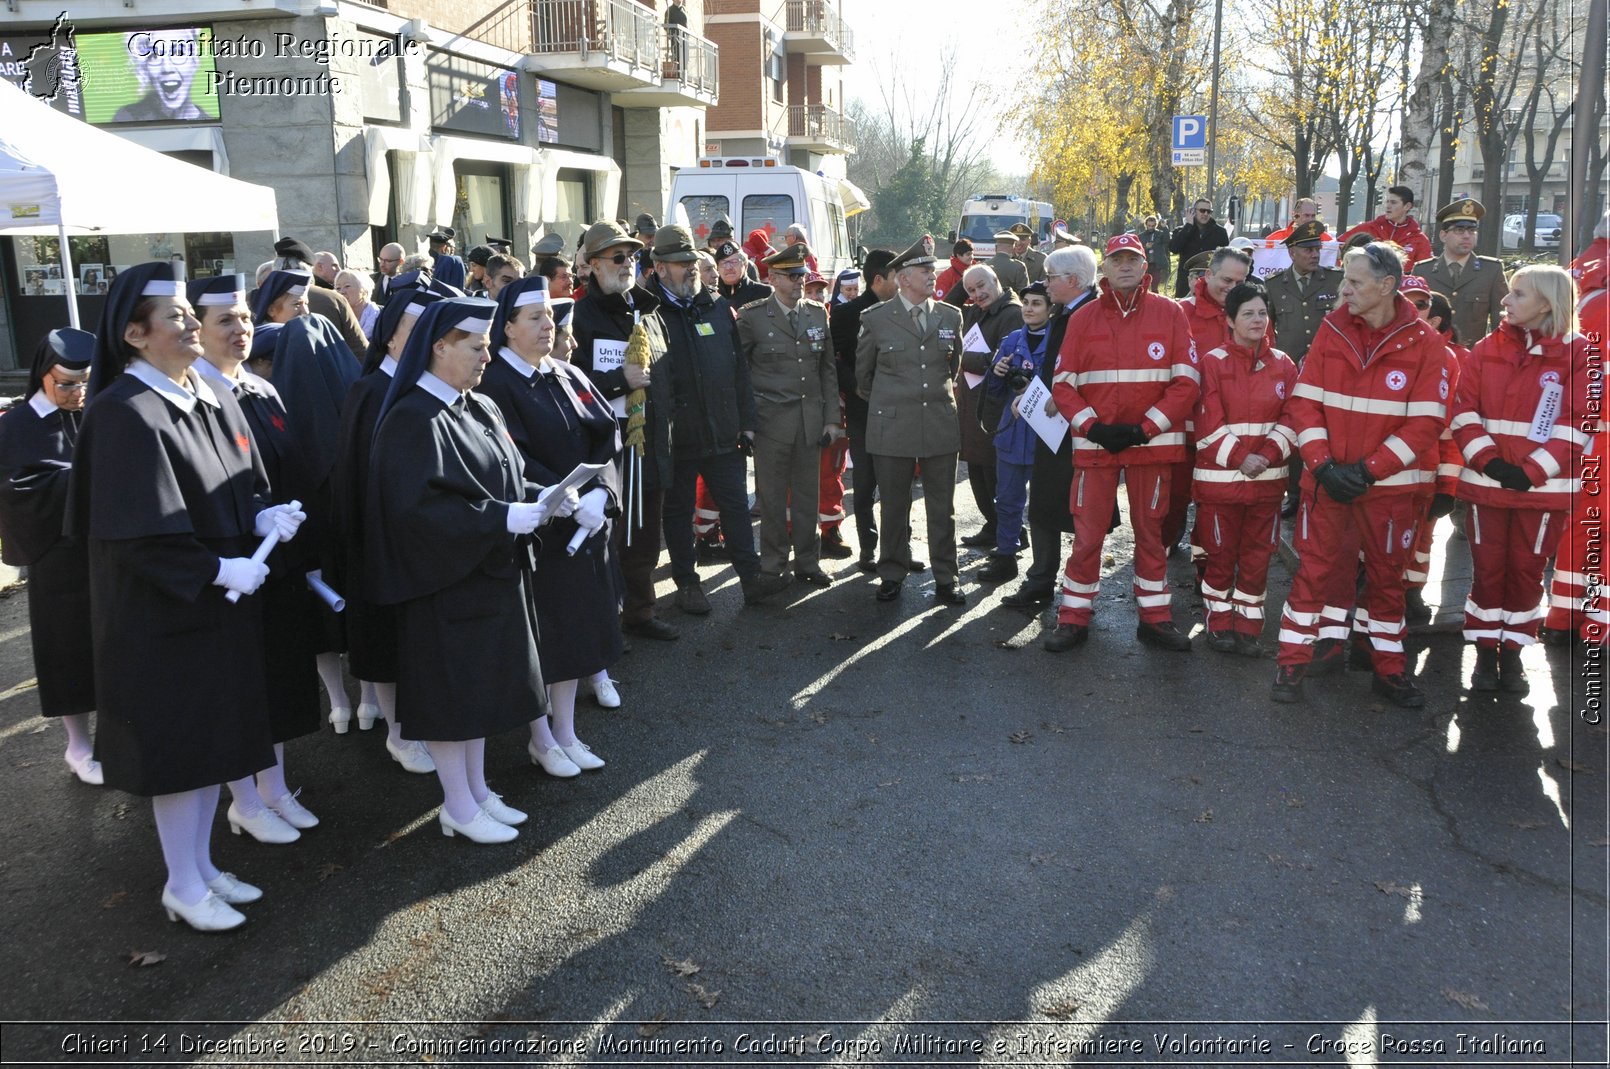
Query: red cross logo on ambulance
[[1548, 378], [1396, 380], [1155, 350]]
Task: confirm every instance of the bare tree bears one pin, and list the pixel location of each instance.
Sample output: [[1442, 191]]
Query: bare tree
[[1492, 82], [1359, 98], [1430, 31], [1545, 108], [1289, 111]]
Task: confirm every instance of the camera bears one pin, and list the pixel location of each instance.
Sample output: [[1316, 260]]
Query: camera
[[1019, 378]]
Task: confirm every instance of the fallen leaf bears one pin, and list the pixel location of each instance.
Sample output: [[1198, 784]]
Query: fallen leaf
[[113, 899], [1107, 560], [1377, 707], [1063, 1009], [1599, 842], [1037, 859], [1572, 766], [326, 870], [651, 1026], [1526, 825], [1056, 729], [1388, 888], [1295, 802], [141, 958], [685, 967], [1465, 999], [819, 717], [1196, 779], [120, 810], [1020, 736], [1196, 731], [837, 637], [889, 783], [1206, 817], [706, 997]]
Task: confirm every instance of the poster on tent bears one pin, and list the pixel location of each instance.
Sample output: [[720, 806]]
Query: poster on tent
[[145, 76]]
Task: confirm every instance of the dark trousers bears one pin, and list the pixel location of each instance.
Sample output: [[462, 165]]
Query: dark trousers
[[982, 479], [725, 481], [863, 486], [895, 475], [639, 559], [1045, 547]]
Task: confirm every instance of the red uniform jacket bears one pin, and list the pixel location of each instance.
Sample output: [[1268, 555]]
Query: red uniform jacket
[[1407, 233], [1137, 366], [1448, 461], [1379, 396], [1501, 414], [1242, 412]]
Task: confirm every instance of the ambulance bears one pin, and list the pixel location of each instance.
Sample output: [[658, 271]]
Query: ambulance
[[760, 193], [986, 214]]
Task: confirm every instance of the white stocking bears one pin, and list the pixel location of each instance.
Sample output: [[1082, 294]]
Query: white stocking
[[177, 829], [451, 759], [562, 707], [335, 685]]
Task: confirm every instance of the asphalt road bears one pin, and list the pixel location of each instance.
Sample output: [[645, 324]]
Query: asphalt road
[[848, 817]]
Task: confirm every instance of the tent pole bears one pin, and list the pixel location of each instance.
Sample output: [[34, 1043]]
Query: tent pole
[[67, 276]]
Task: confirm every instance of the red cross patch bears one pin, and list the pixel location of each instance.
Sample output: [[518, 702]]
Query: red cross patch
[[244, 442], [278, 421]]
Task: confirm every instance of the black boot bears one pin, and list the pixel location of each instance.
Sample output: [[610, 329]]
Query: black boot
[[1415, 609], [1511, 674], [1000, 568], [1485, 676], [1288, 686]]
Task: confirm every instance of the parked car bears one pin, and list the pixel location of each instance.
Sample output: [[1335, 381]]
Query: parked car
[[1546, 236]]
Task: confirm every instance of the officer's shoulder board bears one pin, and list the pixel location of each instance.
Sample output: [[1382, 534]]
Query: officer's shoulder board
[[754, 304]]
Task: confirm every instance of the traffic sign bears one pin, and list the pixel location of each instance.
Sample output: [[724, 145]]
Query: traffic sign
[[1190, 157], [1190, 131]]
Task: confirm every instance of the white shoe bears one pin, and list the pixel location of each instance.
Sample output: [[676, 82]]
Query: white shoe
[[211, 914], [605, 694], [340, 719], [480, 829], [87, 769], [582, 756], [234, 892], [293, 812], [367, 715], [412, 755], [495, 808], [265, 826], [553, 761]]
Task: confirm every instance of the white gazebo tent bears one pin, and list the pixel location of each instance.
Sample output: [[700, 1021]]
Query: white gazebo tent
[[61, 176]]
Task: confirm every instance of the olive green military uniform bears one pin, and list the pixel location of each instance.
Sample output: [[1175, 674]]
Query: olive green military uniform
[[1299, 304], [796, 395], [1012, 272], [1476, 290]]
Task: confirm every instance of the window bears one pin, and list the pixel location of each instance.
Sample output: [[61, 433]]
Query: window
[[771, 212], [703, 211], [573, 209], [479, 207]]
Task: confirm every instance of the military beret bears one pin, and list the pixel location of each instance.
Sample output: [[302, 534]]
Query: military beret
[[294, 248], [480, 254], [442, 233], [724, 250]]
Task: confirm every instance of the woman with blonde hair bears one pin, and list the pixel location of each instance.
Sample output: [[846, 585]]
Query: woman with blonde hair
[[1518, 420]]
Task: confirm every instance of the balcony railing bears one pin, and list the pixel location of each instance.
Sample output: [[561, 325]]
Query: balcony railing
[[619, 29], [691, 60], [818, 124], [815, 17]]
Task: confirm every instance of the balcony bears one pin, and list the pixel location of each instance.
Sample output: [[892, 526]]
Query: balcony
[[611, 45], [817, 31], [688, 75], [818, 128]]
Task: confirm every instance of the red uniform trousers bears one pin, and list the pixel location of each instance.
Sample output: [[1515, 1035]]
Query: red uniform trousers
[[1092, 500], [1329, 536], [1179, 504], [1418, 567], [830, 495], [1238, 540], [1508, 550], [1576, 595], [706, 513]]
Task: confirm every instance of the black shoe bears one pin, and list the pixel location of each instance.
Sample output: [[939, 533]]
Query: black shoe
[[1165, 636], [888, 590], [1359, 657], [1328, 659], [1288, 510], [983, 538], [653, 627], [949, 594], [1288, 687], [711, 550], [834, 547], [1222, 641], [1485, 676], [867, 564], [691, 600], [1029, 596], [1415, 609], [1065, 637], [1400, 690], [1511, 674], [813, 578], [999, 569], [917, 566], [762, 586], [1552, 636], [1247, 646]]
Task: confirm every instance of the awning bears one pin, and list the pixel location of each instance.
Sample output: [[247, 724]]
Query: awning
[[855, 201]]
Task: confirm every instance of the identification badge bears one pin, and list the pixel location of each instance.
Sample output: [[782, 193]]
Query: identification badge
[[1547, 412], [705, 329]]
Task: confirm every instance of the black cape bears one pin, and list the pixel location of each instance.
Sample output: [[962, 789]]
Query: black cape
[[35, 466]]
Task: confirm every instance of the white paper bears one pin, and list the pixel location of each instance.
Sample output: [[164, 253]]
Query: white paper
[[579, 476], [971, 379], [1548, 412], [1271, 257], [610, 355], [1031, 406], [973, 341]]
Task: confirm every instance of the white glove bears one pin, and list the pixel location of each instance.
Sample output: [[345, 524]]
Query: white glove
[[240, 574], [564, 506], [522, 517], [590, 511], [281, 518]]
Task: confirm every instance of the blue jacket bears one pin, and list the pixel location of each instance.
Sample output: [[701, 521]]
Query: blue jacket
[[1014, 438]]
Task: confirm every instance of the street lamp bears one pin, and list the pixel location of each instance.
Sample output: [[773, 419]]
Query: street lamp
[[1512, 122]]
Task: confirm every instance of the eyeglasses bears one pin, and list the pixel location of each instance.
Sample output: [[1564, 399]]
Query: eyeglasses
[[1053, 274], [619, 258], [67, 386], [1204, 211]]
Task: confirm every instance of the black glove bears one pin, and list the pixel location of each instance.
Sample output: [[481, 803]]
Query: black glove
[[1131, 433], [1341, 481], [1509, 476], [1107, 435], [1441, 505]]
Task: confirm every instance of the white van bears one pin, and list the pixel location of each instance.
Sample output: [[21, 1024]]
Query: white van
[[758, 193], [986, 214]]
